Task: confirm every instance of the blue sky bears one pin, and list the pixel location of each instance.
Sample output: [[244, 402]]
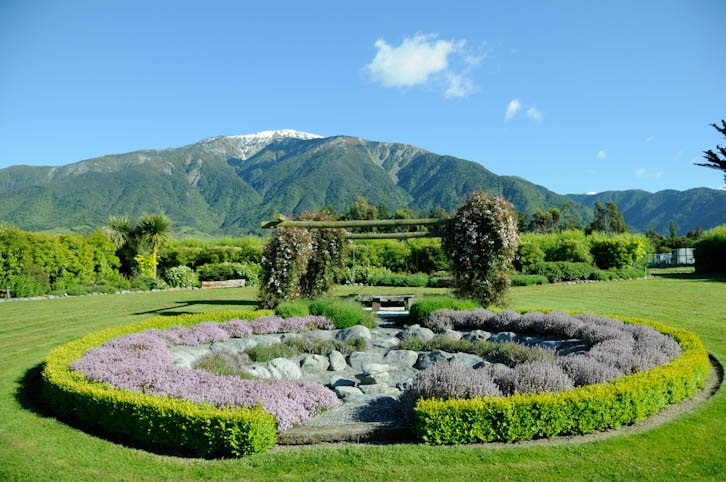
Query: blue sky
[[576, 96]]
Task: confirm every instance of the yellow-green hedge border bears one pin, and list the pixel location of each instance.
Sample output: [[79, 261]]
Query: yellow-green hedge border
[[150, 421], [583, 410]]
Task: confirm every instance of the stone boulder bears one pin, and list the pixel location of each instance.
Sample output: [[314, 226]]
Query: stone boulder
[[350, 334], [358, 359], [284, 369]]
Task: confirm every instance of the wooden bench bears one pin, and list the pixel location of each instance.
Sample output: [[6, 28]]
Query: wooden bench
[[376, 301], [230, 283]]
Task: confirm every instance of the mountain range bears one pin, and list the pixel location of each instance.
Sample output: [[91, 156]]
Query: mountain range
[[229, 184]]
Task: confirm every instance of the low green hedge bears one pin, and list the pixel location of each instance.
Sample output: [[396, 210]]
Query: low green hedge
[[343, 313], [528, 279], [149, 421], [423, 307], [557, 271], [583, 410]]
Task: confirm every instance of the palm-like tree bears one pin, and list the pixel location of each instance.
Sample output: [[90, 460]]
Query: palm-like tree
[[151, 232], [120, 229], [154, 230]]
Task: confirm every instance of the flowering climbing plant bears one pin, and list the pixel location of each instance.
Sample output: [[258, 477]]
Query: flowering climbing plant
[[327, 258], [297, 263], [481, 243], [284, 260]]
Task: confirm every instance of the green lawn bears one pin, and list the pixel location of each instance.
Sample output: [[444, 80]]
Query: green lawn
[[35, 447]]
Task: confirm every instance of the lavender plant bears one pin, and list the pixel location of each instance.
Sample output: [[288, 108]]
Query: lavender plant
[[142, 362], [448, 380], [534, 377]]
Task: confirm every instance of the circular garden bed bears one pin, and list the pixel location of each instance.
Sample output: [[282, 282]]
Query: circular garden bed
[[122, 382]]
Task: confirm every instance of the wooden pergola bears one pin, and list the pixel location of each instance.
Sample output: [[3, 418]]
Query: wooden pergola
[[281, 221]]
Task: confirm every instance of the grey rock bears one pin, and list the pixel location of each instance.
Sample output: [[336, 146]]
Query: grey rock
[[380, 390], [268, 340], [185, 356], [427, 359], [314, 363], [401, 358], [284, 369], [467, 360], [503, 336], [477, 335], [346, 392], [234, 345], [373, 378], [350, 334], [320, 335], [258, 371], [417, 331], [336, 361], [386, 343], [375, 368], [358, 359], [451, 334]]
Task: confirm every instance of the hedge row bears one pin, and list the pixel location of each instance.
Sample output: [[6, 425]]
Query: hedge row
[[154, 422], [710, 252], [557, 271], [583, 410]]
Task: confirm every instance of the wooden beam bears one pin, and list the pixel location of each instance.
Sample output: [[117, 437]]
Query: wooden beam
[[404, 235], [282, 222]]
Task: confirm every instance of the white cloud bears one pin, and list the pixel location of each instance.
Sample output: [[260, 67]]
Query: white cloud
[[512, 108], [422, 59], [602, 154], [534, 114], [643, 173], [515, 106], [649, 139]]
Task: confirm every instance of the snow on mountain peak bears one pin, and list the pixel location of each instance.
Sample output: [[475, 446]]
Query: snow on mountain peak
[[247, 145], [276, 134]]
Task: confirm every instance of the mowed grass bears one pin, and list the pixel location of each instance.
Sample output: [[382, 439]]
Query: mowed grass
[[36, 447]]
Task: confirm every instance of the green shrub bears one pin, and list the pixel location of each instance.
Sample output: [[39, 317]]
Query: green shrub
[[619, 250], [585, 409], [289, 309], [423, 307], [573, 251], [181, 277], [226, 271], [528, 279], [33, 264], [602, 275], [710, 251], [342, 313], [416, 280], [557, 271], [147, 283], [154, 422], [263, 353], [529, 253], [195, 253]]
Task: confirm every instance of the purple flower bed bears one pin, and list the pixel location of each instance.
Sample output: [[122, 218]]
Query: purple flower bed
[[142, 362], [615, 349]]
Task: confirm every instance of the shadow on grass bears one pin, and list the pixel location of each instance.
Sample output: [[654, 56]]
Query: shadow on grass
[[179, 308], [30, 391], [30, 396], [719, 278]]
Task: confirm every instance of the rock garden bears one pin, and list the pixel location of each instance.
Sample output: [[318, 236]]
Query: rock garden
[[267, 379]]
